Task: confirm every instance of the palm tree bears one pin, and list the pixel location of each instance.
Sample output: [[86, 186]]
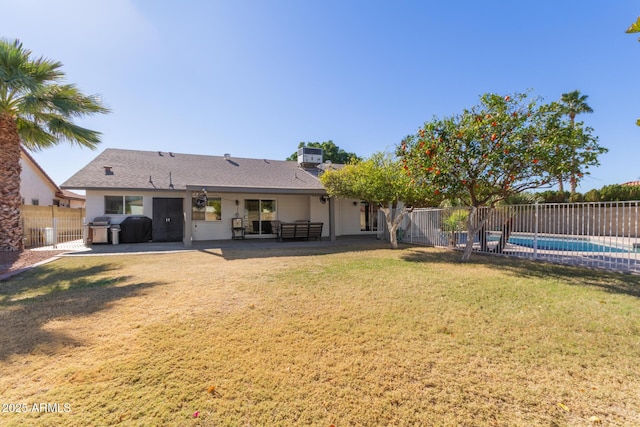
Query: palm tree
[[574, 103], [36, 110], [635, 28]]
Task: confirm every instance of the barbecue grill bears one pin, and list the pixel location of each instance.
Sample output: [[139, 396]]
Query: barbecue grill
[[135, 229], [100, 229]]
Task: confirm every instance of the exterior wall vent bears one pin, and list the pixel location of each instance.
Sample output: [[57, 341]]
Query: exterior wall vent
[[309, 157]]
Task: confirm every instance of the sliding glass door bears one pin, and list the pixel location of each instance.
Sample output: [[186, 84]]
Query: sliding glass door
[[258, 215], [368, 216]]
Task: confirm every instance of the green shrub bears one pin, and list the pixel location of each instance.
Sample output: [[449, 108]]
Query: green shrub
[[615, 193], [592, 196]]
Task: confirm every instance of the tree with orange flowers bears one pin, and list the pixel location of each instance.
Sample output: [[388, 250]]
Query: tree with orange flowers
[[501, 147]]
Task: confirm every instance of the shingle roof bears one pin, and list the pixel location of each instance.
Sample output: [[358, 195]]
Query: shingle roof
[[72, 196], [148, 170]]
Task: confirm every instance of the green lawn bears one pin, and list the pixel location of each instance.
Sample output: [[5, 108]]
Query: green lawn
[[319, 337]]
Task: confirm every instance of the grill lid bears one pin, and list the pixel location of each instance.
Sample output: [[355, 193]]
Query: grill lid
[[101, 220]]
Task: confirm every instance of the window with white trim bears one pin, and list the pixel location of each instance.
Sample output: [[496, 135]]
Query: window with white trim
[[211, 211], [114, 205]]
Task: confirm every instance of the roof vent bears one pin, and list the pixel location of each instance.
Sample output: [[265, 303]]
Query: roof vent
[[227, 156], [108, 170]]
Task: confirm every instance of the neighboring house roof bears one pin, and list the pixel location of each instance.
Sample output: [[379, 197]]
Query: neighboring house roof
[[149, 170], [70, 195], [631, 183]]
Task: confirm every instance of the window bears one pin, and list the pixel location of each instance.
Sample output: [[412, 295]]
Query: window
[[35, 202], [212, 211], [123, 205]]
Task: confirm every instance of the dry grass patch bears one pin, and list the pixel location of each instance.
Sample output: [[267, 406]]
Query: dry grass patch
[[374, 337]]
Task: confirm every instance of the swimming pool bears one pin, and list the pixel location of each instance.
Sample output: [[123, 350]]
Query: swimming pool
[[560, 244]]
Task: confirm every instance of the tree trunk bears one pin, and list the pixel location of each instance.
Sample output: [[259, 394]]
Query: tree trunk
[[560, 185], [473, 229], [393, 223], [469, 247], [10, 225], [572, 187]]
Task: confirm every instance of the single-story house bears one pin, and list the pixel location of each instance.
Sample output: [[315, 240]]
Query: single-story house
[[37, 188], [193, 197]]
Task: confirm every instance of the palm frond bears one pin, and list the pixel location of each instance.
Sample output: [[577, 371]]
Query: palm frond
[[65, 100], [635, 27], [22, 74], [30, 90], [74, 134], [33, 136], [68, 100]]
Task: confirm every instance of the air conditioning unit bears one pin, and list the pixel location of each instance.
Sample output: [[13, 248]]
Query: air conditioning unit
[[309, 157]]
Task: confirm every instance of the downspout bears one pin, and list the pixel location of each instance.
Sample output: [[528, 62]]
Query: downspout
[[186, 206]]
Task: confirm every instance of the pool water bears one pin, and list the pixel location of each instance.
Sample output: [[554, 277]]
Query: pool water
[[564, 245]]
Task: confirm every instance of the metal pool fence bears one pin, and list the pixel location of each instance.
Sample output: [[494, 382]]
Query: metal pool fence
[[601, 235]]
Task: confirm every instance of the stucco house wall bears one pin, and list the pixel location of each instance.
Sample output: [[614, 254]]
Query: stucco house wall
[[37, 188], [295, 188], [289, 208], [34, 186], [75, 204], [349, 217], [96, 201]]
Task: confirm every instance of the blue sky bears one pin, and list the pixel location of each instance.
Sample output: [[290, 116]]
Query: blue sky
[[253, 78]]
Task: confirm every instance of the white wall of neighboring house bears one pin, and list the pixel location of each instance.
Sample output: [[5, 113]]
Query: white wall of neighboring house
[[33, 185], [36, 185], [74, 204]]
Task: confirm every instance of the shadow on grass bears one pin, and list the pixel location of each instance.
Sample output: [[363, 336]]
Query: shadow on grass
[[430, 255], [31, 300], [614, 282], [292, 249], [244, 249], [46, 280]]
